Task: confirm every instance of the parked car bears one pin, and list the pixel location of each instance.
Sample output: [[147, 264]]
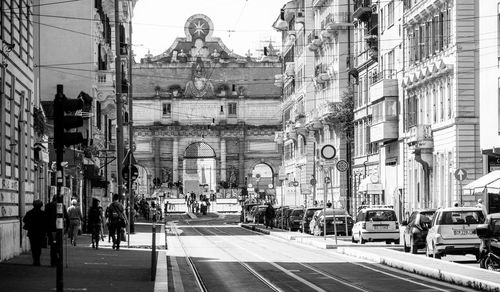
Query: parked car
[[453, 231], [376, 223], [308, 214], [247, 215], [313, 221], [317, 226], [258, 213], [279, 219], [295, 218], [416, 228]]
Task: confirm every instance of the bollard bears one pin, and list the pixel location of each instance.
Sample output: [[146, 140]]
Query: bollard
[[153, 253]]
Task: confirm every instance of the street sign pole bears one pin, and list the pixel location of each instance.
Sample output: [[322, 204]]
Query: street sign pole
[[461, 194], [324, 207]]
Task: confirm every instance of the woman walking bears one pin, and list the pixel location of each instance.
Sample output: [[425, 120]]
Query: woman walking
[[95, 222]]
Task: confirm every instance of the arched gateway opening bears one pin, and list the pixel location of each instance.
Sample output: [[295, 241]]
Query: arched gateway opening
[[199, 168]]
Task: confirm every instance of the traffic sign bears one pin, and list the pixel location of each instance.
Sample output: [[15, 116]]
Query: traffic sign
[[328, 152], [125, 172], [327, 180], [460, 174], [295, 183], [313, 181], [250, 185], [270, 186], [342, 165]]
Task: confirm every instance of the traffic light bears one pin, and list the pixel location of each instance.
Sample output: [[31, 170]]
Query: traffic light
[[64, 120]]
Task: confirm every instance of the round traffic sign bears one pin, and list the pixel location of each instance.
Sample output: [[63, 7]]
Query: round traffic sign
[[295, 183], [313, 181], [327, 180], [460, 174], [125, 172], [342, 165], [250, 186], [328, 152], [270, 186]]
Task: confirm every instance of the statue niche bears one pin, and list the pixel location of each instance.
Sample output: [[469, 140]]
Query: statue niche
[[199, 85]]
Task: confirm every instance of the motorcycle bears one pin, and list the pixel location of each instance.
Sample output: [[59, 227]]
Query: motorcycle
[[489, 250]]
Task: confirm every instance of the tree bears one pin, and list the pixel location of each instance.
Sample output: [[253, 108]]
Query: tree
[[342, 114]]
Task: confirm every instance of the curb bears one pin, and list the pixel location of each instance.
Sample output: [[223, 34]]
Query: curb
[[161, 280], [426, 271]]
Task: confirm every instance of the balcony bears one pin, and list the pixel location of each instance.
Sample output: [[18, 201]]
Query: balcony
[[383, 85], [105, 84], [362, 9], [420, 136], [384, 131]]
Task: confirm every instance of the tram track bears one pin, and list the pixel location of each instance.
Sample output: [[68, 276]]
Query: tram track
[[199, 278]]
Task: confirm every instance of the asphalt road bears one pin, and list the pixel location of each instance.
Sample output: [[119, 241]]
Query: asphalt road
[[226, 257]]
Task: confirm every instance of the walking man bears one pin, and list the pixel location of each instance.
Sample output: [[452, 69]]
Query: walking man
[[117, 220], [75, 221], [34, 223], [269, 215]]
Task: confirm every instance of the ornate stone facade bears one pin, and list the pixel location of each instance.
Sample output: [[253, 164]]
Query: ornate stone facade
[[198, 92]]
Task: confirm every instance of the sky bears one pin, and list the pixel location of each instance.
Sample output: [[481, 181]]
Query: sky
[[241, 24]]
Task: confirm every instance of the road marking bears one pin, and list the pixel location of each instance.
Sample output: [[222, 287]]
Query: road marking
[[333, 278], [95, 263], [402, 278]]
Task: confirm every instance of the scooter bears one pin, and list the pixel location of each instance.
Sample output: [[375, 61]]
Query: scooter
[[489, 250]]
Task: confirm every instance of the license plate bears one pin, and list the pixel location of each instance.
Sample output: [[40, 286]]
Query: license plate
[[378, 227], [463, 231]]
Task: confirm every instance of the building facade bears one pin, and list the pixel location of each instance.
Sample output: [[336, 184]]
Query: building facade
[[205, 118], [440, 101], [316, 38], [19, 108]]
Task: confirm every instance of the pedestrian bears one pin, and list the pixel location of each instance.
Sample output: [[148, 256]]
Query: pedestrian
[[75, 221], [51, 228], [455, 204], [117, 220], [269, 214], [34, 223], [95, 222], [329, 204], [482, 207]]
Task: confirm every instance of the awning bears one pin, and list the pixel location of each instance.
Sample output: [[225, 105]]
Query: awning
[[489, 180], [370, 185]]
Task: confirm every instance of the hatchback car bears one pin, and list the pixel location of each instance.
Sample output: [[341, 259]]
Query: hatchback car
[[453, 231], [295, 218], [317, 226], [376, 224], [306, 219], [415, 229]]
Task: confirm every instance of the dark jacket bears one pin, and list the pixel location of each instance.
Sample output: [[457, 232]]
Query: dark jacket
[[34, 222], [269, 211]]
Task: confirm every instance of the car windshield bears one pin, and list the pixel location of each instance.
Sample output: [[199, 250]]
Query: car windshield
[[380, 215], [495, 224], [311, 212], [297, 212], [426, 217], [461, 217]]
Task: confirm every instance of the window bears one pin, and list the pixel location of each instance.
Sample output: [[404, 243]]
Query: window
[[98, 115], [390, 14], [232, 108], [450, 98], [382, 19], [166, 109]]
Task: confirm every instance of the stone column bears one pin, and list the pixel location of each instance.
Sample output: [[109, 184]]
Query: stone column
[[175, 159], [241, 162], [223, 165]]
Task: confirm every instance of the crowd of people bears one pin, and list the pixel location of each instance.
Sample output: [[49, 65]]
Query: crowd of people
[[42, 225], [197, 203]]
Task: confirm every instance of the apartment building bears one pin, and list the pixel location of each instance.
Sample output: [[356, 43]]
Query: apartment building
[[440, 101], [316, 37], [21, 125]]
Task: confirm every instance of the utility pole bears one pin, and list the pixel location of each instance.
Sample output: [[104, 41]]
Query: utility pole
[[130, 134], [119, 102]]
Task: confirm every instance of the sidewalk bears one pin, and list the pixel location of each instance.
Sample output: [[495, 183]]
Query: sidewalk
[[458, 274], [87, 269]]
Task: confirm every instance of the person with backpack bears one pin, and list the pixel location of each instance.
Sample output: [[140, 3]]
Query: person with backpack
[[117, 220], [95, 222], [75, 221]]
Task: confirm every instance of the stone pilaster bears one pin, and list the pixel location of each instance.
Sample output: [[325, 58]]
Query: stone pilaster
[[175, 159], [223, 164], [157, 153]]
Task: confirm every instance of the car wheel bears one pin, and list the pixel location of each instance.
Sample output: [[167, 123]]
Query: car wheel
[[405, 248], [413, 247], [361, 240], [352, 239], [396, 241], [435, 253], [388, 241], [316, 231]]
